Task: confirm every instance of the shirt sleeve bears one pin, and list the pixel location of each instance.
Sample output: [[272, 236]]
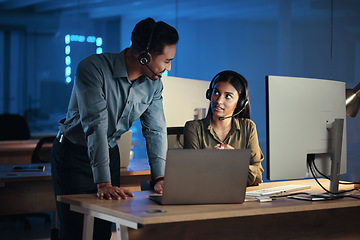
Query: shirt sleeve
[[94, 117], [154, 130], [255, 168], [191, 136]]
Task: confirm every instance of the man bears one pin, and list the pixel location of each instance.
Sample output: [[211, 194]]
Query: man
[[111, 91]]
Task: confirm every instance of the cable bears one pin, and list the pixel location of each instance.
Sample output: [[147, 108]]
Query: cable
[[312, 167], [340, 182]]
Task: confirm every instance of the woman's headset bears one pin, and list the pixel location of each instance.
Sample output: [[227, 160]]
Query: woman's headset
[[243, 98]]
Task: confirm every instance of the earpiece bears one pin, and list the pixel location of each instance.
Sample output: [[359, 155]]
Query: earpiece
[[242, 102], [144, 57], [211, 87]]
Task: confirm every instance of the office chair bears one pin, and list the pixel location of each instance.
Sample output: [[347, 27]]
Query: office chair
[[176, 142], [39, 156], [13, 127]]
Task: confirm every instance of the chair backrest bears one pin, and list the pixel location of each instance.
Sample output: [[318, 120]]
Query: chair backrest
[[13, 127], [41, 155], [175, 137]]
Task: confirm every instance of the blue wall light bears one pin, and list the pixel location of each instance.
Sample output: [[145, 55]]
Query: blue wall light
[[91, 39], [67, 60], [99, 50], [67, 49], [81, 39], [99, 41], [68, 71], [67, 39]]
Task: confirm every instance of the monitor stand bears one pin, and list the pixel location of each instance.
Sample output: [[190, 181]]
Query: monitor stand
[[336, 129]]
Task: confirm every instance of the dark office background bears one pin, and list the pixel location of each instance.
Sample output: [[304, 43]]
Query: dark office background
[[304, 38]]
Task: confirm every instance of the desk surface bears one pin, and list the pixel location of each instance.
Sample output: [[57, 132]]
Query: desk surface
[[25, 192], [134, 209], [136, 167], [7, 175], [21, 145], [130, 177], [21, 192], [20, 151]]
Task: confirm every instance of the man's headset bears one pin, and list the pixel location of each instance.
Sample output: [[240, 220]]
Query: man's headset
[[144, 57], [243, 98]]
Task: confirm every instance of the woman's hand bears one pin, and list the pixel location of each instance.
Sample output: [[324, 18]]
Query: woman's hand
[[223, 146], [108, 191], [159, 186]]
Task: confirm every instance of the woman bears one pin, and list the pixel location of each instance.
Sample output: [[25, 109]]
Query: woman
[[227, 124]]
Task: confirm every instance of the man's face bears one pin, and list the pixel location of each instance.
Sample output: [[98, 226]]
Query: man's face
[[162, 62]]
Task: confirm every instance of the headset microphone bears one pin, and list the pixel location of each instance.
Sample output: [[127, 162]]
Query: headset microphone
[[223, 118], [152, 70]]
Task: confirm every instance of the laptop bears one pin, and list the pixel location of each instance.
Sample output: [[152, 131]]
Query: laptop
[[204, 176], [124, 145]]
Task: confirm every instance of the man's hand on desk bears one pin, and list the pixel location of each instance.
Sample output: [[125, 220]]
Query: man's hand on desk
[[159, 186], [108, 191]]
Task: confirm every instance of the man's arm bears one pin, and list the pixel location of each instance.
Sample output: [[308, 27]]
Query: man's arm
[[154, 130], [93, 111], [94, 116]]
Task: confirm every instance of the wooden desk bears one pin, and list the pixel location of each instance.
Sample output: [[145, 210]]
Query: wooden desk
[[280, 219], [31, 192], [19, 151], [26, 192]]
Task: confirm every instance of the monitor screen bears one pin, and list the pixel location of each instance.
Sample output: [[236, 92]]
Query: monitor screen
[[181, 101], [299, 114]]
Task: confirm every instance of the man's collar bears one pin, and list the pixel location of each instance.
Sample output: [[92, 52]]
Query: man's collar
[[120, 67]]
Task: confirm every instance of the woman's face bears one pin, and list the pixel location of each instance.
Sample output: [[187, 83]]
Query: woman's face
[[224, 99]]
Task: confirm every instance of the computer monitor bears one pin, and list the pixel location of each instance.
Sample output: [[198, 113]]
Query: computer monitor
[[182, 99], [305, 117]]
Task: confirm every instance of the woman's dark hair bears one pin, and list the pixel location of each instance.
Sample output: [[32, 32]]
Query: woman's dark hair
[[154, 35], [240, 84]]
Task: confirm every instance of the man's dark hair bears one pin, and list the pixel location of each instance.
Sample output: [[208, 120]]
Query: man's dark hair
[[163, 34]]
